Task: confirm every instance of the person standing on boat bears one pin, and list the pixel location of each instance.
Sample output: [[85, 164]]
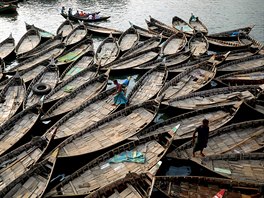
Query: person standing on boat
[[120, 92], [202, 139]]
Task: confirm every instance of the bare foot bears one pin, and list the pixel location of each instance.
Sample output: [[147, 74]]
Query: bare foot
[[203, 155]]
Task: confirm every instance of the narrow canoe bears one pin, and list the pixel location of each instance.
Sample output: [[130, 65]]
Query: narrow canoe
[[45, 35], [76, 35], [72, 83], [28, 42], [148, 85], [84, 19], [196, 186], [81, 94], [174, 44], [34, 182], [7, 47], [8, 8], [198, 44], [107, 51], [41, 85], [197, 24], [104, 31], [144, 33], [241, 53], [157, 27], [100, 172], [65, 28], [181, 25], [257, 105], [11, 98], [243, 137], [215, 97], [258, 46], [128, 39]]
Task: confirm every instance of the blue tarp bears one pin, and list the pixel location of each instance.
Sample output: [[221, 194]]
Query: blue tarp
[[128, 156]]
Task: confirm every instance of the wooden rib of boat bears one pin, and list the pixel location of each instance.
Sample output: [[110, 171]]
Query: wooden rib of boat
[[2, 67], [132, 185], [191, 80], [244, 77], [198, 44], [76, 35], [28, 42], [257, 105], [87, 114], [217, 116], [17, 127], [215, 97], [142, 46], [99, 30], [242, 64], [43, 33], [134, 60], [174, 44], [42, 57], [128, 39], [85, 61], [34, 182], [65, 28], [248, 167], [181, 25], [75, 52], [100, 172], [44, 46], [81, 94], [231, 34], [7, 47], [196, 186], [66, 87], [41, 85], [143, 32], [148, 85], [243, 137], [198, 25], [11, 97], [107, 51]]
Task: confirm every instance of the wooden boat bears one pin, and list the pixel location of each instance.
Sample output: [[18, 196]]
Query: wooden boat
[[134, 60], [43, 33], [215, 97], [142, 46], [257, 105], [181, 25], [198, 44], [11, 97], [87, 114], [242, 64], [28, 42], [104, 31], [231, 34], [241, 53], [41, 85], [65, 28], [56, 40], [144, 33], [217, 116], [7, 47], [233, 166], [7, 8], [85, 61], [170, 61], [76, 18], [128, 39], [33, 182], [196, 186], [190, 80], [174, 44], [81, 94], [67, 86], [107, 51], [198, 25], [243, 137], [244, 77], [100, 172], [132, 185], [78, 34], [17, 127], [245, 38], [148, 85], [75, 52], [42, 57]]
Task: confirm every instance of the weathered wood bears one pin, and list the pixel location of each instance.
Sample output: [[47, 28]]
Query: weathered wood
[[182, 25], [78, 34], [174, 44], [128, 39], [198, 25], [43, 33], [7, 46], [99, 30], [257, 105], [198, 44], [65, 28], [143, 32]]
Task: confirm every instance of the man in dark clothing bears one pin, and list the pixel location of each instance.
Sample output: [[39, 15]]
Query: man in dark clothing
[[202, 139]]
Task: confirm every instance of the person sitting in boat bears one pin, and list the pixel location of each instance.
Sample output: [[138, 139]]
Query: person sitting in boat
[[202, 139], [70, 12], [120, 92], [193, 18], [77, 13], [62, 9], [82, 14], [90, 16], [96, 16]]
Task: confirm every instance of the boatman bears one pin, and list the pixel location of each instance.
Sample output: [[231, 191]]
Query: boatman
[[202, 139], [120, 93]]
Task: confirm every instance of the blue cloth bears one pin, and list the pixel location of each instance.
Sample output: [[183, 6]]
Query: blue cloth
[[126, 82], [235, 33], [128, 156], [120, 98]]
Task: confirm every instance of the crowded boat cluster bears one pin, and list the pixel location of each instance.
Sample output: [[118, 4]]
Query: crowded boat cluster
[[61, 80]]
